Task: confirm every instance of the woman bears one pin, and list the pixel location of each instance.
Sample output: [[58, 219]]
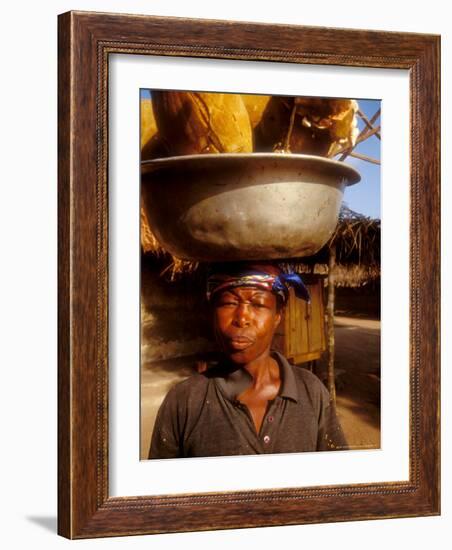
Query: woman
[[253, 401]]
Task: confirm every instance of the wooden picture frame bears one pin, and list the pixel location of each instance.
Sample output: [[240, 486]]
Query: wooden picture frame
[[85, 508]]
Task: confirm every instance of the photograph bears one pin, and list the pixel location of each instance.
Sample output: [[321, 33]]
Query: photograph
[[225, 227], [260, 274], [227, 296]]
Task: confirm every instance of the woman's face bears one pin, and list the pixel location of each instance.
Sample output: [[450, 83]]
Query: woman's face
[[245, 320]]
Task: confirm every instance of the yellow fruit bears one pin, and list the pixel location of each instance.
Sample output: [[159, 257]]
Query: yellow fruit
[[148, 123], [321, 126], [255, 105], [272, 132], [198, 123], [151, 145]]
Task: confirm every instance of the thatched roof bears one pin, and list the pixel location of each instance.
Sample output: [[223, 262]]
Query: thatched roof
[[356, 239]]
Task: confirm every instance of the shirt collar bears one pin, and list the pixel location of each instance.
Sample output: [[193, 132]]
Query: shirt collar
[[233, 383]]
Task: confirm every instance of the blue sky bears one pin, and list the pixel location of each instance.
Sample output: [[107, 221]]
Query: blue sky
[[364, 197]]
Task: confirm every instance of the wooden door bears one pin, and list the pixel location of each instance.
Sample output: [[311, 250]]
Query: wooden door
[[301, 334]]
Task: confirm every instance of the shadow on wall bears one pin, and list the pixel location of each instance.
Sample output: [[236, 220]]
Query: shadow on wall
[[174, 316]]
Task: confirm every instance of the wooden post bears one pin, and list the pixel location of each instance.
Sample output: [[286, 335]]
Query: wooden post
[[330, 317]]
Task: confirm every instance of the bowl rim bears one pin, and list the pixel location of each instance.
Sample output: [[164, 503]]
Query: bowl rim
[[351, 175]]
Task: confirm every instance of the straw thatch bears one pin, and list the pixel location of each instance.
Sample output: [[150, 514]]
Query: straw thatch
[[356, 241]]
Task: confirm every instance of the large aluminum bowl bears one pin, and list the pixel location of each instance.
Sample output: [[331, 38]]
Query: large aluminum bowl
[[230, 207]]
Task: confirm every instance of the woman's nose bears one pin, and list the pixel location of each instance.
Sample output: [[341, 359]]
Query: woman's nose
[[242, 315]]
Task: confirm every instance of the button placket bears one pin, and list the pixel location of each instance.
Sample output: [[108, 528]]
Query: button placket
[[267, 424]]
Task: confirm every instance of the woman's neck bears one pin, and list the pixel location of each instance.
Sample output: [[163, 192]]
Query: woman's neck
[[264, 369]]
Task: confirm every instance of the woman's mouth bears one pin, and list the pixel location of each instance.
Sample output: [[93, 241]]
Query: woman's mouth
[[240, 342]]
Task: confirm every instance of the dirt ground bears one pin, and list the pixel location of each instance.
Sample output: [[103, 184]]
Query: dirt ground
[[357, 363], [357, 367]]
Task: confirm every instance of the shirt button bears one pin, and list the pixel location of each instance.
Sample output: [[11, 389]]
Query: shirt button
[[266, 439], [270, 419]]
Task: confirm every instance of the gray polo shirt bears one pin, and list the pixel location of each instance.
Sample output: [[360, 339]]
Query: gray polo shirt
[[202, 416]]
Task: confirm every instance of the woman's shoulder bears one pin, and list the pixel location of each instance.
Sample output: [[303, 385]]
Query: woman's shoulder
[[306, 376], [192, 386], [310, 383]]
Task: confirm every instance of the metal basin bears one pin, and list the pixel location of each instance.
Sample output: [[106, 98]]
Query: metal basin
[[231, 207]]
